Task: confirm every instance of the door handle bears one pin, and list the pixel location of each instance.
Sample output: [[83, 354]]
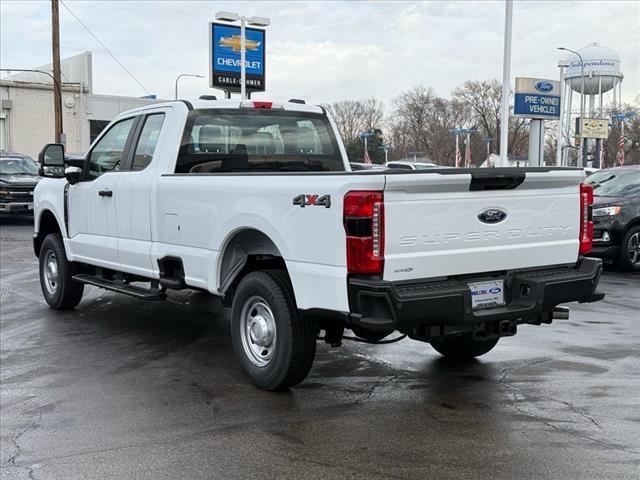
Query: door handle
[[105, 193]]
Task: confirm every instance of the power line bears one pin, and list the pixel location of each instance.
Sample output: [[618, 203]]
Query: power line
[[104, 46]]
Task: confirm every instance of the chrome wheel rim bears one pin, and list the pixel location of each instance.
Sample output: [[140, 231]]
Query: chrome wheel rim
[[634, 249], [258, 331], [51, 272]]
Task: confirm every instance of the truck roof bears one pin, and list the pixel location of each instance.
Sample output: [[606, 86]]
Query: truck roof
[[234, 103]]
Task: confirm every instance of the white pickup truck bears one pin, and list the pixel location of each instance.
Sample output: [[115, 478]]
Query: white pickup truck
[[255, 202]]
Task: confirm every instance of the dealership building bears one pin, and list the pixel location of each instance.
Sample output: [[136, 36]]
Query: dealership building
[[27, 116]]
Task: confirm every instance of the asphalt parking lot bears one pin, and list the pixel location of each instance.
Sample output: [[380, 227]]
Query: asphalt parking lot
[[121, 389]]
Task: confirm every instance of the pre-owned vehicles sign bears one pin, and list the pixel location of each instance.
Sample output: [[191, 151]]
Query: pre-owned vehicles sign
[[537, 98], [224, 66]]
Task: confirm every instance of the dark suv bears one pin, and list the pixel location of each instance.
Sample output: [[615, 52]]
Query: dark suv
[[18, 177], [616, 216]]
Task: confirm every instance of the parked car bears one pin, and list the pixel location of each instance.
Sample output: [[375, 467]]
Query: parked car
[[255, 203], [406, 165], [616, 215], [355, 166], [18, 178]]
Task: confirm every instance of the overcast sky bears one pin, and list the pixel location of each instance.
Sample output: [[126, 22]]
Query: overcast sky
[[324, 51]]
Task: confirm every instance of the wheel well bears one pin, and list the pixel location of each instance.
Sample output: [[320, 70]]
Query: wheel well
[[248, 250], [48, 224], [633, 223]]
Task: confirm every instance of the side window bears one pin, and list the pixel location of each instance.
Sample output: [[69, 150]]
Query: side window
[[148, 141], [107, 153]]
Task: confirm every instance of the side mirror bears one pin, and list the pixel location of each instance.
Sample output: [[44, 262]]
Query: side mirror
[[72, 174], [51, 160]]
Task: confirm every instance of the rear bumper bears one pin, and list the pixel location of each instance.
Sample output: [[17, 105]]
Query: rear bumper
[[604, 251], [414, 307]]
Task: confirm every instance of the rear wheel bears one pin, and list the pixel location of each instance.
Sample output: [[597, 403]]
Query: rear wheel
[[59, 289], [274, 346], [629, 253], [462, 347]]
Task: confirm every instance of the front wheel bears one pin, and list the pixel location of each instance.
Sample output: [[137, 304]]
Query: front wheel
[[629, 254], [462, 347], [58, 287], [274, 346]]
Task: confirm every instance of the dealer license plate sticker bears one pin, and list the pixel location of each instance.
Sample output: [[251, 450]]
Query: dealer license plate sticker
[[487, 294]]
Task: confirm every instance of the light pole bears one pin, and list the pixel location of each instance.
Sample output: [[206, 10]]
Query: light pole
[[506, 85], [60, 136], [583, 143], [562, 64], [488, 141], [256, 21], [184, 75], [386, 147]]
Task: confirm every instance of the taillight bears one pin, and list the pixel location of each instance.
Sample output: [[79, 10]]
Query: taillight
[[364, 224], [586, 222]]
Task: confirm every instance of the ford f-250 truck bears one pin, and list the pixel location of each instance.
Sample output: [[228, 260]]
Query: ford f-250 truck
[[255, 202]]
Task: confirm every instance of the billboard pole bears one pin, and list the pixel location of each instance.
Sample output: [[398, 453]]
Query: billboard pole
[[506, 74], [243, 52]]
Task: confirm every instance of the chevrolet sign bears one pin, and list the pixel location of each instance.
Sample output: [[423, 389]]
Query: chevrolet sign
[[224, 57]]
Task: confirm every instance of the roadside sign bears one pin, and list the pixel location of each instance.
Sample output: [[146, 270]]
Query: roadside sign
[[537, 98], [224, 57], [594, 128]]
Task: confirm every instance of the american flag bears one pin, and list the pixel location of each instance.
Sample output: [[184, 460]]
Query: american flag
[[621, 150], [366, 157], [458, 156]]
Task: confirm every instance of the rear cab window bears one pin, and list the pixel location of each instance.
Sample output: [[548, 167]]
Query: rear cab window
[[230, 140]]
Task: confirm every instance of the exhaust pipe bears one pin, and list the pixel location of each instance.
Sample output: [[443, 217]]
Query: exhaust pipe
[[560, 313]]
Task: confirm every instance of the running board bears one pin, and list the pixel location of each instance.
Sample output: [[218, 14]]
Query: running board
[[121, 287]]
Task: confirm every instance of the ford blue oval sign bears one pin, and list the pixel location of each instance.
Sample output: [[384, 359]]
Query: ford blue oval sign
[[492, 215], [544, 86], [537, 98]]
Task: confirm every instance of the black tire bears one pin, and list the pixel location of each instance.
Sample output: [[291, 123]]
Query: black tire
[[629, 254], [63, 293], [264, 300], [462, 347]]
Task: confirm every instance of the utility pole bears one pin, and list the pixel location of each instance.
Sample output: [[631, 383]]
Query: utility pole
[[57, 93]]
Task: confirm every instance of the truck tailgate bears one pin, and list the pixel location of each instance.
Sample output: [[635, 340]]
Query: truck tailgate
[[448, 223]]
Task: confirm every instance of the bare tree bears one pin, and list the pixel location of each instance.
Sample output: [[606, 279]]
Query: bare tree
[[483, 98], [355, 116]]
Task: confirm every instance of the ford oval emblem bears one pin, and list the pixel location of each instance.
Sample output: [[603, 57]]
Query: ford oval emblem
[[492, 215], [544, 86]]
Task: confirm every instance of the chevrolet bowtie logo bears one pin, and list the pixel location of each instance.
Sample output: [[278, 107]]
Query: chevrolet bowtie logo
[[234, 43]]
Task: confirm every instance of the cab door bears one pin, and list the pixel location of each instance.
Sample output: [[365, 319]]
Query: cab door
[[134, 194], [93, 216]]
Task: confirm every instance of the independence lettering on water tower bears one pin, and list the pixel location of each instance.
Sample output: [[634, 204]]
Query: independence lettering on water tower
[[225, 45], [537, 98]]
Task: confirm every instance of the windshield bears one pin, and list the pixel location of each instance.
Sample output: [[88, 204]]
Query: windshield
[[257, 140], [18, 166], [615, 183]]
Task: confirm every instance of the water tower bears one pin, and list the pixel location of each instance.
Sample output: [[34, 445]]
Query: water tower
[[593, 82]]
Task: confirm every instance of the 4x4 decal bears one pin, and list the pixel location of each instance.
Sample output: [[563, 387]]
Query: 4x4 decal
[[314, 200]]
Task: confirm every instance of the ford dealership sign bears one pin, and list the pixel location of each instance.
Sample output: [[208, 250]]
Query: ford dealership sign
[[543, 86], [537, 98]]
